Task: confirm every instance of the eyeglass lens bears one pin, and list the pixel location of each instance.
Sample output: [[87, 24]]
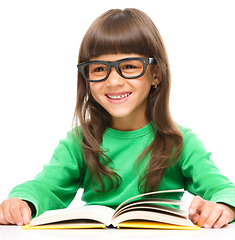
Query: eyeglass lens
[[129, 68]]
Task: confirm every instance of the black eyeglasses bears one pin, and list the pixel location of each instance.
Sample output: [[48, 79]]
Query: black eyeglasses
[[130, 68]]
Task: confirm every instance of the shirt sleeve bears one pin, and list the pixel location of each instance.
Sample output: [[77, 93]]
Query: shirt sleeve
[[202, 177], [57, 184]]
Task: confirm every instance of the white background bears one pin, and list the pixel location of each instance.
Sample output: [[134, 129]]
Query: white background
[[39, 44]]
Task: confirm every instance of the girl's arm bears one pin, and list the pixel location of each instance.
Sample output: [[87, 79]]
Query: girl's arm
[[216, 204], [57, 184], [209, 214]]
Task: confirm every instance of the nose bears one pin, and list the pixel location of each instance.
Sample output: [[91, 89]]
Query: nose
[[114, 79]]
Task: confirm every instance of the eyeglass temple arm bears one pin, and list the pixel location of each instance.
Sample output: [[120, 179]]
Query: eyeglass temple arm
[[152, 60]]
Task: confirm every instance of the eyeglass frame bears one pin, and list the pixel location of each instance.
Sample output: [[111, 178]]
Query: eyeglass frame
[[145, 61]]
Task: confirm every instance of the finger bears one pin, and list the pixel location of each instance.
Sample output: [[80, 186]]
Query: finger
[[194, 217], [7, 217], [195, 208], [14, 209], [223, 220], [26, 213], [206, 213], [2, 219], [196, 205], [215, 214]]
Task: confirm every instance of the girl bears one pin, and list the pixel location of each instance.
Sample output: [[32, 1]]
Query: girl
[[127, 142]]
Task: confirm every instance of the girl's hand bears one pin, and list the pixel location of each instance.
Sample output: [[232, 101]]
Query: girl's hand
[[208, 214], [14, 211]]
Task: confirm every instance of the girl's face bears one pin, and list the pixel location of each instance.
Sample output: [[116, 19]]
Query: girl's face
[[125, 99]]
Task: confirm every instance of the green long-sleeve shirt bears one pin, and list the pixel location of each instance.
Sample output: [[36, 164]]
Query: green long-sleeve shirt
[[57, 184]]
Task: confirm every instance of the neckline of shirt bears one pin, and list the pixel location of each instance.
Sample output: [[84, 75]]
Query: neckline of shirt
[[130, 134]]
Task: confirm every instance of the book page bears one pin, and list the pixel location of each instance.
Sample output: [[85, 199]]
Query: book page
[[152, 216], [150, 193], [98, 213], [150, 205]]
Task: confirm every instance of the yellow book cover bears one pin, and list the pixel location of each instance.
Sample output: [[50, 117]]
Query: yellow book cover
[[124, 225], [67, 226], [155, 225]]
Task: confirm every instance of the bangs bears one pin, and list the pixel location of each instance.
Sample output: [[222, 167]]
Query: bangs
[[114, 33]]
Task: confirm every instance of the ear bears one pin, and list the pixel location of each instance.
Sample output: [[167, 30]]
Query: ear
[[157, 75]]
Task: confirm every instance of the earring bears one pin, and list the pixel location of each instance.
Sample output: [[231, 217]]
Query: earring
[[155, 85]]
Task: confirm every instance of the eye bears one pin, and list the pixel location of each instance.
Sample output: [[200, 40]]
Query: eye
[[129, 67], [99, 69]]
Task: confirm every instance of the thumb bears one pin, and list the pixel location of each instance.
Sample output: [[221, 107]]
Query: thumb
[[26, 213]]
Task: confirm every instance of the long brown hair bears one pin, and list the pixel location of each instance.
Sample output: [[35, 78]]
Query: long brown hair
[[126, 31]]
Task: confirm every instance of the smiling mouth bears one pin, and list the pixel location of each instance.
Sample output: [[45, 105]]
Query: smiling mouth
[[118, 97]]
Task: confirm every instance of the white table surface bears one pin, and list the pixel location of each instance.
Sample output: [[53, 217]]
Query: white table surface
[[14, 232]]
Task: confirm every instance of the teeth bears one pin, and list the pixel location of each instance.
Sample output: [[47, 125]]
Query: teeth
[[119, 96]]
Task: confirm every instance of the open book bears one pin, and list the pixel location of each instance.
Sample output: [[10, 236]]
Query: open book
[[136, 212]]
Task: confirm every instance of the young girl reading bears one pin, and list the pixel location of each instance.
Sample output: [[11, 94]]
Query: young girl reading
[[125, 140]]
